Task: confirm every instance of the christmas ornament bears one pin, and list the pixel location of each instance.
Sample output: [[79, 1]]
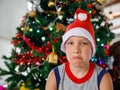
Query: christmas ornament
[[100, 1], [34, 5], [52, 57], [22, 87], [51, 3], [93, 11], [59, 27], [60, 13], [15, 42], [99, 6], [27, 27], [106, 51], [19, 36], [90, 5], [32, 13], [106, 48]]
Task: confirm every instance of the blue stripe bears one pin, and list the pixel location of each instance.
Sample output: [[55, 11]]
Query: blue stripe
[[57, 76], [100, 77]]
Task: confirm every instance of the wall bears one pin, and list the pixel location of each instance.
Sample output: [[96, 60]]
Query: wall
[[117, 38], [115, 10], [11, 13], [115, 21], [5, 48]]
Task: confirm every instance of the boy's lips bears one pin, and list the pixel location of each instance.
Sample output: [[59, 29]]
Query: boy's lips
[[76, 57]]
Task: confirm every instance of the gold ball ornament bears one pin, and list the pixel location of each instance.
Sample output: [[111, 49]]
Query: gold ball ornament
[[22, 87], [51, 3], [32, 13], [100, 1]]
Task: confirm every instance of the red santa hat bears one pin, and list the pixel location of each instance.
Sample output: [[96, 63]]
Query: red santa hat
[[81, 26]]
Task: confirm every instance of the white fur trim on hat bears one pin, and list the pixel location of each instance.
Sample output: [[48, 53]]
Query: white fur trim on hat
[[77, 31]]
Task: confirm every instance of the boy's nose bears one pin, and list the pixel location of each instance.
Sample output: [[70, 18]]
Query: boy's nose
[[76, 50]]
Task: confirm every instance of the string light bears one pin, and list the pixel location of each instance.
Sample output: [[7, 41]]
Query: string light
[[94, 59], [102, 44], [50, 28], [38, 31], [43, 38], [98, 39], [31, 29]]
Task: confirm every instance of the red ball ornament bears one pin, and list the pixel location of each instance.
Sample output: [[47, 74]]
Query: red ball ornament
[[104, 66], [27, 40], [56, 40], [90, 5], [106, 52], [107, 46], [93, 11]]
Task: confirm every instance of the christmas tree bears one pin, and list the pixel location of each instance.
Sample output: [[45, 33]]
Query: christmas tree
[[37, 42]]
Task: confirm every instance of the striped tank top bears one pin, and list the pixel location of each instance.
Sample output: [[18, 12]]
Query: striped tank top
[[67, 81]]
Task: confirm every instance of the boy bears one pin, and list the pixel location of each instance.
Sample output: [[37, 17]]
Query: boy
[[79, 46]]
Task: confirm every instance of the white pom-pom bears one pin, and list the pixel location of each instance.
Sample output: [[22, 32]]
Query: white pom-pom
[[82, 16]]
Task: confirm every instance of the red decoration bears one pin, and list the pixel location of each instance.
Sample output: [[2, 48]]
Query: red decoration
[[107, 46], [106, 49], [104, 65], [90, 5], [14, 42], [28, 56], [60, 26], [48, 43], [56, 40], [93, 11], [106, 52], [62, 59], [19, 35]]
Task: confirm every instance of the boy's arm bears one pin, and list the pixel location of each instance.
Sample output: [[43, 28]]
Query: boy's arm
[[106, 82], [51, 82]]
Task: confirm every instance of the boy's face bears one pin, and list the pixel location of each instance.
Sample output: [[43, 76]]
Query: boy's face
[[78, 50]]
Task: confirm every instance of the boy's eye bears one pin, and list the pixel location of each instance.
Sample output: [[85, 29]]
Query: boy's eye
[[69, 43], [85, 43], [82, 43]]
